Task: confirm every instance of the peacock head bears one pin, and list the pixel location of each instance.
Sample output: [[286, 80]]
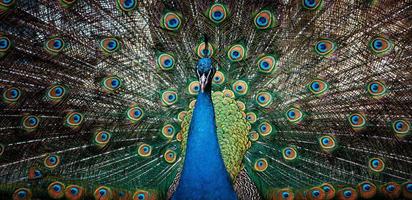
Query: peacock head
[[205, 72]]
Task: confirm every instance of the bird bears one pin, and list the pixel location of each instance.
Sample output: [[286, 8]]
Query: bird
[[224, 99]]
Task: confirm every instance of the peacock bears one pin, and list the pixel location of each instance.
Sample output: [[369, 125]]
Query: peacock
[[224, 99]]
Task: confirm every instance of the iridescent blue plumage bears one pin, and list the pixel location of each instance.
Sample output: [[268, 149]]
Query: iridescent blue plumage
[[204, 175]]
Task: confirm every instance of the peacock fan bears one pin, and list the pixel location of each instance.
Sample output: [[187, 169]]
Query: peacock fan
[[199, 100]]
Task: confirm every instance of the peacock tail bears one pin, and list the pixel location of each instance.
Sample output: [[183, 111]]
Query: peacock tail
[[312, 98]]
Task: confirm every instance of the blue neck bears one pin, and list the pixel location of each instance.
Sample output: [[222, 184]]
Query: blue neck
[[204, 174]]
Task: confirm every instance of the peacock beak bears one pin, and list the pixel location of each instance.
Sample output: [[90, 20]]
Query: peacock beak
[[204, 80]]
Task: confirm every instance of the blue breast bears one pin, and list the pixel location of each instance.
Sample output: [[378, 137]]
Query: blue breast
[[204, 174]]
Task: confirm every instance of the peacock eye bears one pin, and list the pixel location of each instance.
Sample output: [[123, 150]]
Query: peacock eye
[[380, 46], [327, 142], [366, 190], [376, 88], [289, 153], [22, 194], [347, 193], [171, 21], [315, 193], [56, 190], [261, 165], [12, 95], [267, 64], [240, 88], [30, 122], [357, 120], [318, 87], [52, 161], [408, 187], [265, 129], [144, 150], [376, 164], [168, 131], [169, 97], [56, 93], [194, 88], [202, 52], [165, 61], [253, 136], [54, 45], [74, 119], [74, 192], [236, 53], [103, 193], [5, 44], [294, 115], [102, 138], [170, 156], [401, 127], [135, 114], [217, 13], [325, 47], [328, 190], [110, 45], [126, 5], [263, 99], [141, 195], [251, 117], [111, 83], [219, 78], [285, 194], [312, 4], [391, 190], [263, 20]]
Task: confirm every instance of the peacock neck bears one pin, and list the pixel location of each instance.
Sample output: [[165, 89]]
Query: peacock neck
[[204, 174]]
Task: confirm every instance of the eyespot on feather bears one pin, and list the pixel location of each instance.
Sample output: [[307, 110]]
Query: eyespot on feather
[[103, 193], [376, 164], [312, 4], [127, 5], [380, 46], [74, 119], [261, 165], [263, 99], [267, 64], [169, 97], [366, 190], [170, 156], [51, 161], [264, 20], [202, 52], [240, 87], [325, 47], [144, 150], [289, 153], [236, 53], [166, 61], [294, 115], [74, 192], [110, 45], [56, 190], [357, 120], [135, 114], [11, 95], [217, 13], [22, 194], [171, 21]]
